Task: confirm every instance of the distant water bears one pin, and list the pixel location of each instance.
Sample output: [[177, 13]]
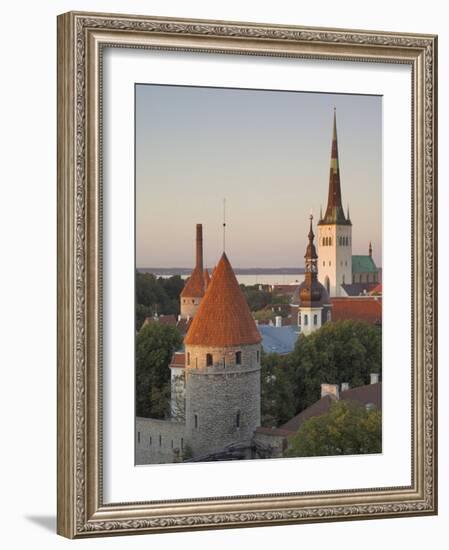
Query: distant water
[[270, 279], [254, 279]]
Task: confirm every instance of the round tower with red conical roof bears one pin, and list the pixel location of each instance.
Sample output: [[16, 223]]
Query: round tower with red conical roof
[[222, 350]]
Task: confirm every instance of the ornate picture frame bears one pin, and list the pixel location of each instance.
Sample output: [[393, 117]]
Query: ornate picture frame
[[82, 39]]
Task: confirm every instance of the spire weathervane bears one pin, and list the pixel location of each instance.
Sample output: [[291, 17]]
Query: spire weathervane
[[224, 225]]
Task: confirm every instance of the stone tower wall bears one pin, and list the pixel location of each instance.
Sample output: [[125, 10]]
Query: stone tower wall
[[189, 306], [217, 394]]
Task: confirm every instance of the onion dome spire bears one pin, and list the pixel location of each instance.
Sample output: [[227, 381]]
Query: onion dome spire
[[311, 292], [334, 211]]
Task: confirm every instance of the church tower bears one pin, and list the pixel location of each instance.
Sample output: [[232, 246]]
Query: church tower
[[222, 367], [334, 232], [195, 287], [313, 297]]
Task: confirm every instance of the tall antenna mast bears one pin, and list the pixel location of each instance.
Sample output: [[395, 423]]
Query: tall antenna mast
[[224, 225]]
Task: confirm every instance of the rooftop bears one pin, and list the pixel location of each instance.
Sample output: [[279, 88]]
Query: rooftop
[[371, 394], [223, 317], [363, 264], [363, 308], [278, 339]]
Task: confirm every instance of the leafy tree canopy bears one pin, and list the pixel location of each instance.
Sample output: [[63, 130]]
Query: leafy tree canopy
[[342, 351], [155, 344], [277, 402], [349, 428], [156, 295]]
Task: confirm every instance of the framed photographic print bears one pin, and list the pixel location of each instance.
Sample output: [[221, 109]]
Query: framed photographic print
[[246, 274]]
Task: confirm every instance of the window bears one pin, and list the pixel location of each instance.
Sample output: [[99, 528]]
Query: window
[[237, 420], [238, 358], [195, 421], [138, 437], [324, 263], [306, 320], [172, 443], [193, 301], [343, 279], [329, 262], [258, 355], [160, 440], [151, 440], [315, 320], [209, 359], [182, 443], [329, 315], [188, 358], [330, 241]]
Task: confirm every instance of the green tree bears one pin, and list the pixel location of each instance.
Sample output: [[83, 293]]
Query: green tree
[[256, 299], [277, 399], [156, 295], [343, 351], [348, 429], [155, 344]]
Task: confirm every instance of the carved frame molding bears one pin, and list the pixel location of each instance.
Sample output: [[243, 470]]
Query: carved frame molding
[[81, 39]]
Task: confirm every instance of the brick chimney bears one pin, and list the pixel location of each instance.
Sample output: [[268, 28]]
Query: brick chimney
[[330, 389], [199, 246]]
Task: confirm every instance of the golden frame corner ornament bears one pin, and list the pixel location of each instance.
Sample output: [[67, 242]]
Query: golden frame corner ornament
[[81, 38]]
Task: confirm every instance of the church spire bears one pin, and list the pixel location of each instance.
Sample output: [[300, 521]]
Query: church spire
[[334, 211], [311, 291]]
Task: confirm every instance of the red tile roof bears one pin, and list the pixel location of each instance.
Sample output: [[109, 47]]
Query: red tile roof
[[368, 309], [169, 320], [178, 360], [183, 326], [320, 407], [223, 317], [371, 394], [376, 290], [206, 278], [194, 287]]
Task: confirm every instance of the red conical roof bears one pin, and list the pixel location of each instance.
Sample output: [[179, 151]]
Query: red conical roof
[[206, 278], [223, 318], [194, 287]]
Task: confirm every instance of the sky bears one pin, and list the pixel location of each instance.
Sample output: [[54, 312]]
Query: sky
[[268, 154]]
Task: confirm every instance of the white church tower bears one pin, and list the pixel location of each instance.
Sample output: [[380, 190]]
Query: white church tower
[[334, 233]]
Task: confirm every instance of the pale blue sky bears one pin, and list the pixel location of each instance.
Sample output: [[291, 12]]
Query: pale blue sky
[[268, 153]]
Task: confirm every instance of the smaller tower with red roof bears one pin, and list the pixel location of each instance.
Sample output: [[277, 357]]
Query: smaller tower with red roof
[[196, 284], [222, 367]]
